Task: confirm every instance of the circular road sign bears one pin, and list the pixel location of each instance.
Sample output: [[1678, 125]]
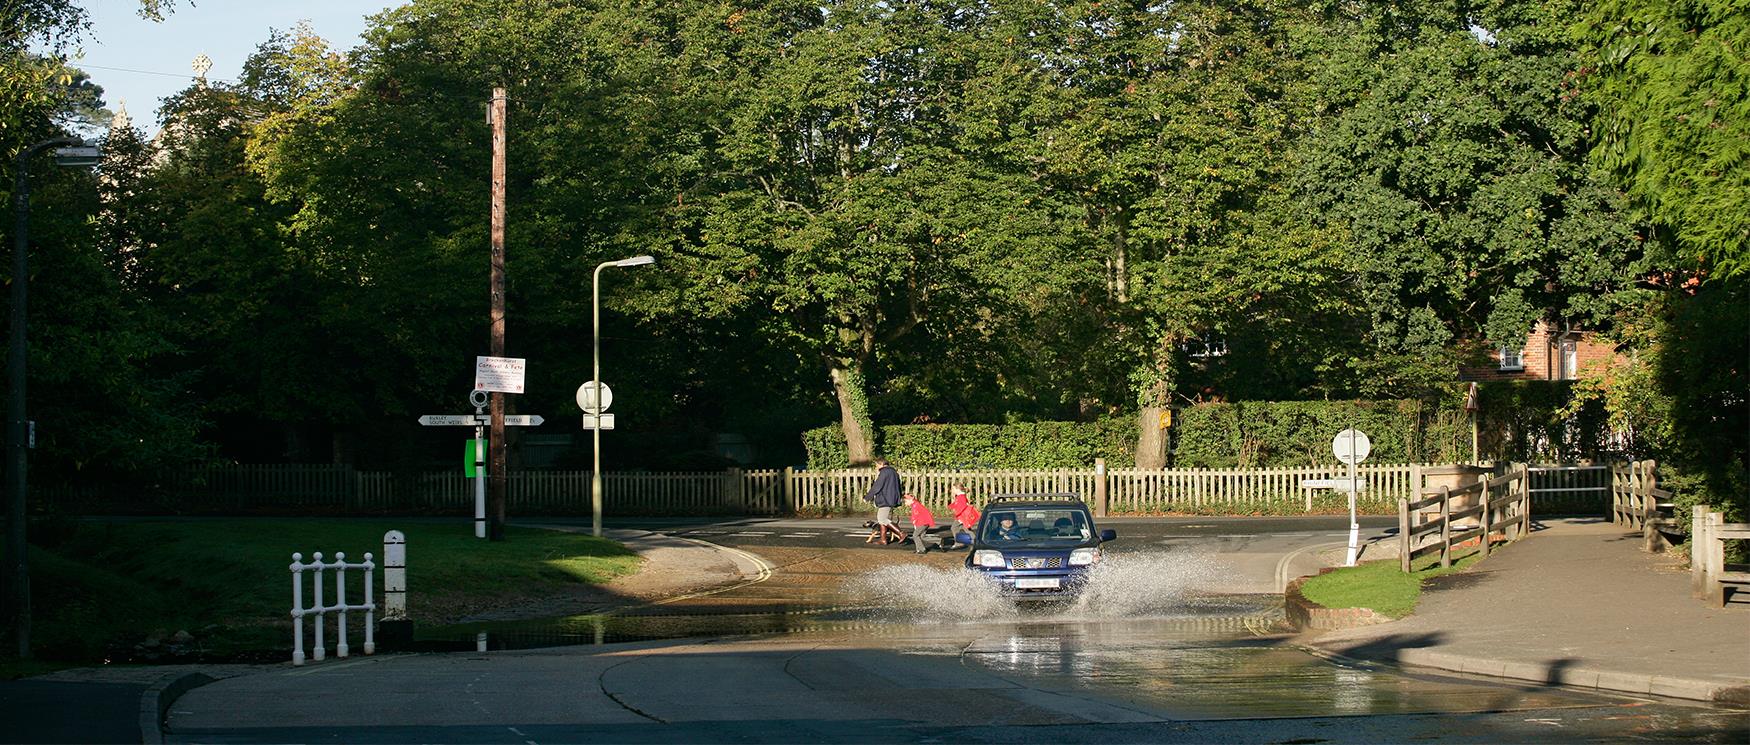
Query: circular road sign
[[590, 401], [1351, 446], [478, 398]]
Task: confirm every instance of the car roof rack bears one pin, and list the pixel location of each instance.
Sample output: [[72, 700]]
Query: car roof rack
[[1061, 496]]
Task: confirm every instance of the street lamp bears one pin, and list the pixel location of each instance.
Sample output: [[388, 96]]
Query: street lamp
[[70, 152], [595, 481]]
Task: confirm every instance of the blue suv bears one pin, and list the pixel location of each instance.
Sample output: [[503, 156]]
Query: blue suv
[[1037, 546]]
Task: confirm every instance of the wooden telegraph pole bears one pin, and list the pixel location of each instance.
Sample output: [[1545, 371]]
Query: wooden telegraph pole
[[498, 482]]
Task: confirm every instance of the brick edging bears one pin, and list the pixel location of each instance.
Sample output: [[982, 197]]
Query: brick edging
[[1306, 615]]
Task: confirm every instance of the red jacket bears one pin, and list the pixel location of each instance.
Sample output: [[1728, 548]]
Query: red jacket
[[963, 510], [921, 515]]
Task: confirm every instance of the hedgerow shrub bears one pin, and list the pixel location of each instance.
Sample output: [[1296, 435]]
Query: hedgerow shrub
[[1520, 422]]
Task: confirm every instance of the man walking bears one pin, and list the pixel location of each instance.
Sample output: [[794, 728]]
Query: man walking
[[885, 493]]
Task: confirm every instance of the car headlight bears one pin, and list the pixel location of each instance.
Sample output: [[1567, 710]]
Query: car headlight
[[993, 559], [1084, 556]]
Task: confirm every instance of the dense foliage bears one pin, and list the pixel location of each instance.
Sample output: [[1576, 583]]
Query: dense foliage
[[1538, 422], [896, 214]]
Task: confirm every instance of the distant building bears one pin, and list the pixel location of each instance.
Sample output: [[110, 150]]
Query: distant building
[[1549, 353]]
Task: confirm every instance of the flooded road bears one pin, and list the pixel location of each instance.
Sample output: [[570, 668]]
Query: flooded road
[[1147, 643]]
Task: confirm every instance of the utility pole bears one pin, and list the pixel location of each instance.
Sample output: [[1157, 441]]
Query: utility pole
[[495, 495]]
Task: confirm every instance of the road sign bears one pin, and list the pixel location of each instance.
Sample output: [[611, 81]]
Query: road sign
[[469, 420], [499, 374], [448, 420], [589, 421], [469, 454], [1338, 484], [1351, 446], [594, 397]]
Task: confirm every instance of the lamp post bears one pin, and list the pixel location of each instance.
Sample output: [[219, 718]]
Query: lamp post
[[71, 151], [595, 481]]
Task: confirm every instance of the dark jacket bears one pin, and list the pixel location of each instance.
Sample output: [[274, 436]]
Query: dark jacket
[[885, 492]]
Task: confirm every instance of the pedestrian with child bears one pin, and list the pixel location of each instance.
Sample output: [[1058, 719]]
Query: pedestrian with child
[[885, 493]]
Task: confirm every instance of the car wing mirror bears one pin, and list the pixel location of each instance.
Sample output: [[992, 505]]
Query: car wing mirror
[[1108, 535]]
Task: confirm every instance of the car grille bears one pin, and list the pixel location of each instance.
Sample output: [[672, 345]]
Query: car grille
[[1025, 562]]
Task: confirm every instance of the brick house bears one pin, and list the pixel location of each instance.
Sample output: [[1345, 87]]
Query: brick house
[[1549, 354]]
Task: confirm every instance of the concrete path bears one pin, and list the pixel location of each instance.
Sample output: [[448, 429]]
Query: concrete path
[[1578, 604]]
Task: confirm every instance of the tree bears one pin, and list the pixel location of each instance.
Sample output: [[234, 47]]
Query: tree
[[1454, 168], [1673, 118]]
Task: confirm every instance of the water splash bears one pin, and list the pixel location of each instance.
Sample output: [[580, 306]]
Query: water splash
[[1131, 585], [929, 594], [1121, 586]]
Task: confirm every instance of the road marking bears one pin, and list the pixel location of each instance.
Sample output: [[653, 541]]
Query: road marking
[[754, 532], [799, 535]]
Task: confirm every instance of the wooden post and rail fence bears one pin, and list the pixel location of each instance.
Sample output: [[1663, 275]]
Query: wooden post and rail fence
[[1637, 503], [1444, 520], [1709, 574]]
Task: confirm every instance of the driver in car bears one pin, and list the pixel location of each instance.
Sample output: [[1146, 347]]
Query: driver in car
[[1006, 530]]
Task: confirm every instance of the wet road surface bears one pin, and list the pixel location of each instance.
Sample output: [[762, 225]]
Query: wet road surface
[[843, 642]]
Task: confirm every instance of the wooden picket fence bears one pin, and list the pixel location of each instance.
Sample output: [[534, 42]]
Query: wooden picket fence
[[340, 488]]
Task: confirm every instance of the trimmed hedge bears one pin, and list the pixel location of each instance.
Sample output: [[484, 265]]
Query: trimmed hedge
[[1024, 446], [1520, 422]]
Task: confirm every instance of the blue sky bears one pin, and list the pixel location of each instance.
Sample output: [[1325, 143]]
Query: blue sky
[[142, 62]]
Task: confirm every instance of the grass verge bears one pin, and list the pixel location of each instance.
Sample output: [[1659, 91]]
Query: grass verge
[[109, 585], [1379, 585]]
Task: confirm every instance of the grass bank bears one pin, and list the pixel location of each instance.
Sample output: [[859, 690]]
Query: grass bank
[[104, 587], [1380, 585]]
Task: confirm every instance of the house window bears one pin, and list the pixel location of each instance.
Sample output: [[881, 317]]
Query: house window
[[1570, 360], [1512, 359]]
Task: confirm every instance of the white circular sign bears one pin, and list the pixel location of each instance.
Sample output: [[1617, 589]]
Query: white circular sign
[[588, 398], [1351, 446], [478, 398]]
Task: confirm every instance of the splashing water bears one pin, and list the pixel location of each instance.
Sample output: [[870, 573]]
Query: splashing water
[[1121, 586], [923, 594], [1129, 585]]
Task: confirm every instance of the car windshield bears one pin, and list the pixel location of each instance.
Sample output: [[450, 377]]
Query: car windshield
[[1037, 525]]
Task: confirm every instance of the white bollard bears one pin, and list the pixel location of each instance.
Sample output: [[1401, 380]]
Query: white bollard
[[394, 576]]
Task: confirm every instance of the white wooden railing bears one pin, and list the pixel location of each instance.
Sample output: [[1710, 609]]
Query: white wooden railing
[[320, 608]]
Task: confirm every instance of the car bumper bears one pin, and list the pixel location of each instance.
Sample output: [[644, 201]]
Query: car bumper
[[1036, 584]]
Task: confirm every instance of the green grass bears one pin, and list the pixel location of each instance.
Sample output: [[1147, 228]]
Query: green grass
[[1379, 585], [109, 584]]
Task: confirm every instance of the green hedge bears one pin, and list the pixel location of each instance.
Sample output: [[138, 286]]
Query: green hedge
[[1031, 445], [1520, 422]]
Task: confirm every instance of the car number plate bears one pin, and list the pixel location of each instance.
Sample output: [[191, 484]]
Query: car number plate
[[1036, 584]]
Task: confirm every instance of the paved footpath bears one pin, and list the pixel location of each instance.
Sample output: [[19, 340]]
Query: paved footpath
[[1578, 603]]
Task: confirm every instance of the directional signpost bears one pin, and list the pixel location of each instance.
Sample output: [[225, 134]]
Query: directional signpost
[[594, 397], [1351, 446], [478, 420]]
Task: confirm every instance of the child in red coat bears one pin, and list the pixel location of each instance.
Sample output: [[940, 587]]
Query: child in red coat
[[921, 522], [965, 515]]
